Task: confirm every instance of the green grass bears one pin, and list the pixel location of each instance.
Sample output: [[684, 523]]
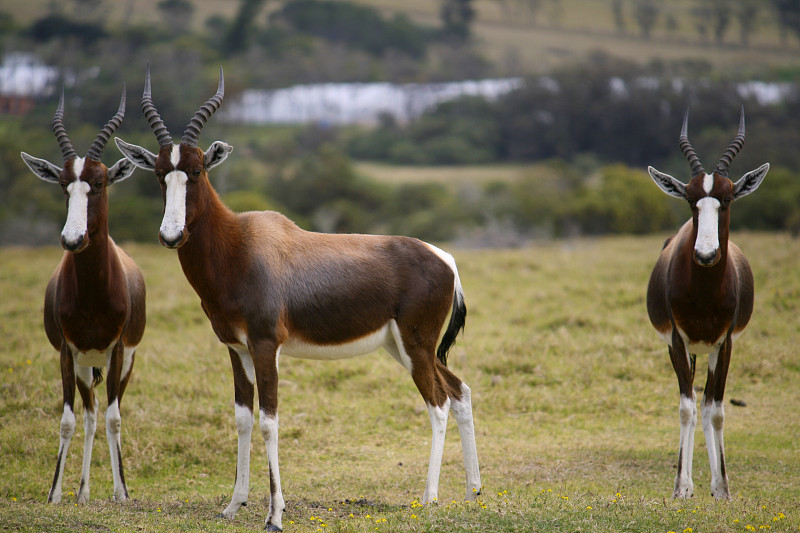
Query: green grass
[[576, 409]]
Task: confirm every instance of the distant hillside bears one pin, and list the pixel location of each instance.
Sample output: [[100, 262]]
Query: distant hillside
[[519, 43]]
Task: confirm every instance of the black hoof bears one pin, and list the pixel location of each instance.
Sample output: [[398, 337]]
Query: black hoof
[[220, 515], [272, 527]]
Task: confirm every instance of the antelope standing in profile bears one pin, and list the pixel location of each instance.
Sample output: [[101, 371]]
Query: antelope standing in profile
[[270, 289], [700, 298], [94, 307]]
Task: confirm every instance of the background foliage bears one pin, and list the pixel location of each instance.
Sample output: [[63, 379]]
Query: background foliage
[[588, 123]]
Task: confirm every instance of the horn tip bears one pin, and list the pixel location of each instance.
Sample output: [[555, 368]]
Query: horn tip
[[123, 99], [741, 120], [685, 126], [146, 82]]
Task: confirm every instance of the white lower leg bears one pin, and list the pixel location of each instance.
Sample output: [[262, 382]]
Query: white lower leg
[[711, 446], [438, 416], [684, 488], [113, 430], [716, 448], [462, 411], [67, 431], [269, 430], [89, 429], [241, 487]]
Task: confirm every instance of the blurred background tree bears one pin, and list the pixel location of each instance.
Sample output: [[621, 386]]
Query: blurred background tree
[[576, 135]]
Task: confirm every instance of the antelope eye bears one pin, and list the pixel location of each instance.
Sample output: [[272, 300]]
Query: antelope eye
[[98, 185], [196, 172]]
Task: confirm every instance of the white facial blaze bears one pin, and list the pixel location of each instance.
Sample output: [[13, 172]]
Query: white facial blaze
[[174, 219], [77, 206], [707, 227], [708, 183]]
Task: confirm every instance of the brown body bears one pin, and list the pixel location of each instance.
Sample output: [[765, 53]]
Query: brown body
[[706, 303], [270, 288], [700, 298], [274, 282], [91, 312], [94, 306]]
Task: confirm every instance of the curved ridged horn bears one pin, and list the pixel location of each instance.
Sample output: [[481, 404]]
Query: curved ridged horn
[[686, 148], [61, 133], [152, 116], [96, 150], [733, 148], [205, 111]]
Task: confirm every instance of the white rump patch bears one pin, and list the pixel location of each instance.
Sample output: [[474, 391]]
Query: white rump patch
[[363, 345], [77, 211], [451, 262], [707, 226]]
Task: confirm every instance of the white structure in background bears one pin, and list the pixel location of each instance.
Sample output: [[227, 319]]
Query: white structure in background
[[766, 93], [23, 78], [349, 103]]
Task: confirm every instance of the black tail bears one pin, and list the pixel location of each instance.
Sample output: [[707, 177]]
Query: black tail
[[457, 319], [97, 375]]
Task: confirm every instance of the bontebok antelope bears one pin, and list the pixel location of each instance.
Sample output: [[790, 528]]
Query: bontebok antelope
[[700, 298], [270, 289], [94, 307]]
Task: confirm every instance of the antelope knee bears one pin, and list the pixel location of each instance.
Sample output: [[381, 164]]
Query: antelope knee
[[67, 423], [244, 419], [89, 422], [269, 426], [717, 416], [113, 419], [687, 410]]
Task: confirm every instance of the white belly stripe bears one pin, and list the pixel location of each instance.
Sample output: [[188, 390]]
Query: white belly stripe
[[364, 345], [95, 358]]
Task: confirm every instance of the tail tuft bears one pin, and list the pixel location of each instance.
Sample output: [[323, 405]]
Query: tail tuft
[[457, 319], [97, 376]]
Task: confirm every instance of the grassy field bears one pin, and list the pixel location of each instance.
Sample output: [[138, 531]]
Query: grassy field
[[576, 410]]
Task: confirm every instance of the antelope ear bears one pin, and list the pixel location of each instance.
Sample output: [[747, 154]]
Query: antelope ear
[[668, 184], [750, 181], [121, 170], [137, 155], [43, 169], [217, 153]]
